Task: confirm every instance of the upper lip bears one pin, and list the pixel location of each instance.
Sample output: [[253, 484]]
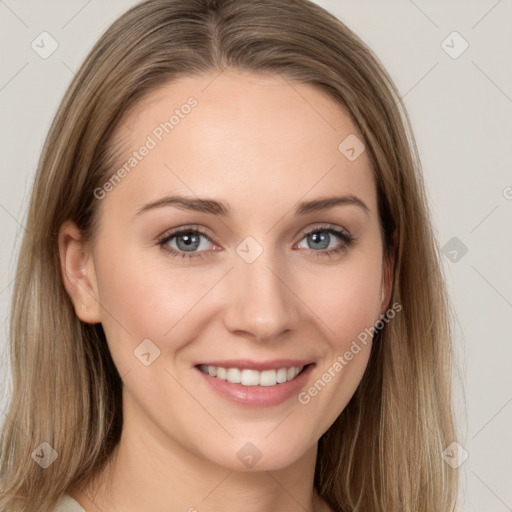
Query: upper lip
[[243, 364]]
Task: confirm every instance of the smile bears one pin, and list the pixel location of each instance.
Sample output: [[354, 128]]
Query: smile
[[249, 377]]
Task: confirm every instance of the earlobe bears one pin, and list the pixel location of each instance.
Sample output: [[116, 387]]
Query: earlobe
[[78, 273]]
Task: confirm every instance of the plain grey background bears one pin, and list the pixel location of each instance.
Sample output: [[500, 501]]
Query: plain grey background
[[460, 103]]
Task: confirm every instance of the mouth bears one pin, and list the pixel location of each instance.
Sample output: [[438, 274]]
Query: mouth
[[251, 377], [255, 384]]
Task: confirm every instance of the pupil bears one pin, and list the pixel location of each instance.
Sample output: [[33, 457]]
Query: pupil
[[320, 238], [189, 240]]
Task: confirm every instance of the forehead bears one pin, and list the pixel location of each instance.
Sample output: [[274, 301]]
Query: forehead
[[237, 136]]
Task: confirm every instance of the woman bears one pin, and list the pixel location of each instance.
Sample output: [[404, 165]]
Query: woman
[[228, 293]]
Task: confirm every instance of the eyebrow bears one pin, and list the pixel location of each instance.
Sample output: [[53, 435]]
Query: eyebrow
[[223, 209]]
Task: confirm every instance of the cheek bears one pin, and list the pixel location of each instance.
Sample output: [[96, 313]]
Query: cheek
[[347, 303], [346, 298], [142, 298]]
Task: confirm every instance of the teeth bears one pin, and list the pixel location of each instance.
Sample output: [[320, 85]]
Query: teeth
[[248, 377], [281, 375], [233, 375]]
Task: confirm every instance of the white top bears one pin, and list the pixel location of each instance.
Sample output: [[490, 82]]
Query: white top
[[68, 504]]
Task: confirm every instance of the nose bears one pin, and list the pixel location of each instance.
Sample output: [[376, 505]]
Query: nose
[[262, 304]]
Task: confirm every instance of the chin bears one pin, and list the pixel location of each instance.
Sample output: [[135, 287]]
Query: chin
[[259, 455]]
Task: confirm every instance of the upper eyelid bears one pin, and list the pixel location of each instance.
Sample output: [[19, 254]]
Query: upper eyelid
[[203, 231], [170, 234]]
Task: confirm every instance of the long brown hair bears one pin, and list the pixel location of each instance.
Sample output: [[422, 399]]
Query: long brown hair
[[383, 453]]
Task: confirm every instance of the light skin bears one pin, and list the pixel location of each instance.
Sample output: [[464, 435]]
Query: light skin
[[261, 145]]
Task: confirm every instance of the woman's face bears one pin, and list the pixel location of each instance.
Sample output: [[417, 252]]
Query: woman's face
[[270, 271]]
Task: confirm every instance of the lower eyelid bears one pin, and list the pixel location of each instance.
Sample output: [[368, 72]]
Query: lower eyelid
[[345, 240]]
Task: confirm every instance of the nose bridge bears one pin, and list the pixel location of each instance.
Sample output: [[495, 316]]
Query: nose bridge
[[260, 301]]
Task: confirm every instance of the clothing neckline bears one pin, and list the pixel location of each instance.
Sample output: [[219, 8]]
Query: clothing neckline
[[67, 500]]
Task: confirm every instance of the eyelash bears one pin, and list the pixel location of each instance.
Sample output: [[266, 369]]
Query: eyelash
[[347, 240]]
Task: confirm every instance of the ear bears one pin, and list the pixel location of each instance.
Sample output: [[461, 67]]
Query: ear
[[388, 274], [78, 273]]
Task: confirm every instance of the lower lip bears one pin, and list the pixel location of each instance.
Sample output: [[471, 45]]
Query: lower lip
[[258, 396]]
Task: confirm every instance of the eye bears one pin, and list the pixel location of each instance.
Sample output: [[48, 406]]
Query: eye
[[185, 242], [321, 240], [189, 242]]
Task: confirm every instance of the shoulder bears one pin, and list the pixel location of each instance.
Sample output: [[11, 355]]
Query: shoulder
[[68, 504]]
